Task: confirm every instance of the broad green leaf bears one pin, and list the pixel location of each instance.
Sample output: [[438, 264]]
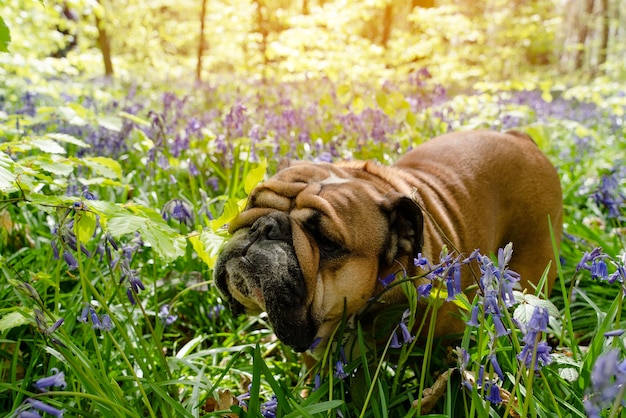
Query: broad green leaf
[[207, 244], [13, 320], [69, 115], [153, 229], [106, 167], [47, 145], [84, 225], [68, 139], [124, 223], [5, 36], [527, 304], [7, 178], [63, 168], [255, 176], [42, 199]]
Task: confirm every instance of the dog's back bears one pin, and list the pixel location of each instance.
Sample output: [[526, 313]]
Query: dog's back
[[484, 189]]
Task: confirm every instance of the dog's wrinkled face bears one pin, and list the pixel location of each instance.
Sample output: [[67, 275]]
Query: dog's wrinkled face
[[312, 243]]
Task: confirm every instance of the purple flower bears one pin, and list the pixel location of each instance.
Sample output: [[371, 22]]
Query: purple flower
[[268, 409], [609, 196], [608, 377], [599, 269], [165, 316], [496, 366], [72, 264], [386, 281], [44, 407], [423, 290], [394, 341], [407, 338], [493, 395], [179, 210], [473, 322], [315, 343], [339, 371], [614, 333], [57, 379], [453, 281], [501, 330]]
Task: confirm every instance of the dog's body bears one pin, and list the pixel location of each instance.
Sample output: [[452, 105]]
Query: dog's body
[[315, 238]]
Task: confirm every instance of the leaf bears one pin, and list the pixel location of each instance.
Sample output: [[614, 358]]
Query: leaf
[[7, 178], [527, 304], [63, 168], [68, 139], [231, 209], [124, 223], [84, 225], [13, 320], [207, 244], [112, 123], [106, 167], [153, 229], [5, 36], [134, 118], [255, 176], [47, 145]]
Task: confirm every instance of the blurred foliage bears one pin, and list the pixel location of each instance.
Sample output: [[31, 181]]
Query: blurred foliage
[[459, 41]]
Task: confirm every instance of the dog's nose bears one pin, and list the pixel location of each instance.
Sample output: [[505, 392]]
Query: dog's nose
[[271, 227]]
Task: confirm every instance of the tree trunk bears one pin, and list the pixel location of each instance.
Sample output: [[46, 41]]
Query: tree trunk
[[426, 4], [387, 22], [606, 27], [201, 43], [105, 45], [583, 32]]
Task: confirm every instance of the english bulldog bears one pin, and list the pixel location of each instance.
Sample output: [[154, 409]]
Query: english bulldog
[[315, 238]]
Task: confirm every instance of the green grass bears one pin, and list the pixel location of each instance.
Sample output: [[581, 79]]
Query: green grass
[[207, 362]]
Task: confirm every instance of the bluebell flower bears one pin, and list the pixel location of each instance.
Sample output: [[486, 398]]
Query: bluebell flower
[[614, 333], [387, 280], [84, 316], [269, 408], [72, 263], [165, 316], [394, 341], [44, 407], [599, 269], [496, 366], [317, 382], [453, 281], [493, 394], [57, 379], [501, 330], [131, 296], [407, 338], [608, 195], [214, 312], [179, 210], [423, 290], [315, 343], [608, 377], [537, 324], [473, 322], [339, 371]]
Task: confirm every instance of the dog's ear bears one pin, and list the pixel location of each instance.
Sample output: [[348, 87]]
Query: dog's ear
[[406, 234]]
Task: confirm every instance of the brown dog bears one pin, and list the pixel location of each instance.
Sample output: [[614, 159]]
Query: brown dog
[[315, 238]]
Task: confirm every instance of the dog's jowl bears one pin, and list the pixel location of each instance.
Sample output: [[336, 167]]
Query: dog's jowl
[[314, 239]]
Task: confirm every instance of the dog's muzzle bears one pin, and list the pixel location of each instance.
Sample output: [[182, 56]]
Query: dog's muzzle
[[258, 270]]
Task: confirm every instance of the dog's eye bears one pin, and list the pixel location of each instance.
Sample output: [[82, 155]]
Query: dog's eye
[[329, 248]]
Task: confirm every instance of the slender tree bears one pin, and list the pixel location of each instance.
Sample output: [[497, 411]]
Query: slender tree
[[103, 42], [201, 43]]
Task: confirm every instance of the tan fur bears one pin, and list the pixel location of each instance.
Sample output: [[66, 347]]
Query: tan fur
[[475, 190]]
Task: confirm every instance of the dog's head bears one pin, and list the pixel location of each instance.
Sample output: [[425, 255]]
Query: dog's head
[[312, 243]]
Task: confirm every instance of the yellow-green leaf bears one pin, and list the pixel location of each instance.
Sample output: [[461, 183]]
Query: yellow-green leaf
[[255, 176], [84, 225], [207, 244]]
